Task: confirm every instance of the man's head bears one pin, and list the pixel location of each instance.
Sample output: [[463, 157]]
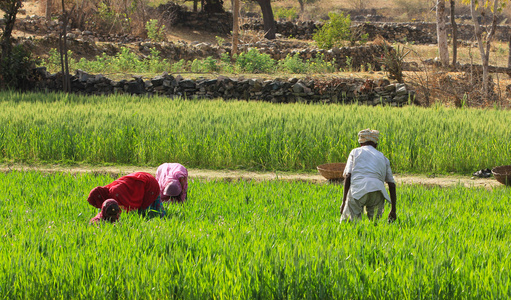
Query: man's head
[[368, 137]]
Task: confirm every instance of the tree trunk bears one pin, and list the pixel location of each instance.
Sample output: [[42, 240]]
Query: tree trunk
[[509, 53], [48, 10], [454, 27], [441, 30], [268, 20], [66, 82], [235, 27], [485, 53]]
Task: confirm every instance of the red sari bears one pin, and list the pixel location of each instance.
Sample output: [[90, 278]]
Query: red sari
[[134, 191]]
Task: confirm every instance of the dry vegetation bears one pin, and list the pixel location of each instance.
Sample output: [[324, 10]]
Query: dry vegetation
[[433, 84]]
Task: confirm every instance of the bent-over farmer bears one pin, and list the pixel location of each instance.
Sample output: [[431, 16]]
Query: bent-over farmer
[[136, 191], [366, 172], [173, 181]]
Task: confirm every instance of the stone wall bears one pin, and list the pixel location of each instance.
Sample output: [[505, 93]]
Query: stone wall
[[338, 90], [417, 32], [367, 55]]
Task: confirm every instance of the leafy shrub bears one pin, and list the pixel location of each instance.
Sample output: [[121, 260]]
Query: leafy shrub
[[178, 66], [154, 63], [15, 69], [334, 32], [255, 62], [154, 32]]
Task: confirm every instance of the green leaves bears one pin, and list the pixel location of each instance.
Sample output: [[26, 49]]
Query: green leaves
[[286, 242]]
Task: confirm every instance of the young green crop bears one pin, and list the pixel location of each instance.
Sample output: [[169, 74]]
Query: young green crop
[[245, 135], [246, 240]]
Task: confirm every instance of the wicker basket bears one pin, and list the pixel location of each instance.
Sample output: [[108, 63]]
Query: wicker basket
[[332, 171], [502, 174]]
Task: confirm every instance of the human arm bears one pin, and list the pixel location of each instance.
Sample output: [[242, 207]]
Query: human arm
[[393, 199], [347, 184]]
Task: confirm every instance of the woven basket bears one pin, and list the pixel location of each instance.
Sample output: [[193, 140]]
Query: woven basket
[[332, 171], [502, 174]]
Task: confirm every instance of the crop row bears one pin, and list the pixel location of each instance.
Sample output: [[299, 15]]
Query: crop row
[[244, 135], [251, 240]]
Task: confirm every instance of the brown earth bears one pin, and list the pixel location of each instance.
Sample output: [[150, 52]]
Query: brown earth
[[234, 175]]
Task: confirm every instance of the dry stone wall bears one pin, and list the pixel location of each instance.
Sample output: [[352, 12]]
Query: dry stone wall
[[417, 32], [306, 90]]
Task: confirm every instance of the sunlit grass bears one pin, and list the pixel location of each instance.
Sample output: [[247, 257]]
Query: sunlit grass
[[244, 135], [246, 240]]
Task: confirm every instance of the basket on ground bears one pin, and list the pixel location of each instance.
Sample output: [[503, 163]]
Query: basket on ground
[[502, 174], [332, 171]]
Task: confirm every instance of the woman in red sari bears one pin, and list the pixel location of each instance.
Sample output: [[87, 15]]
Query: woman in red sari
[[137, 191]]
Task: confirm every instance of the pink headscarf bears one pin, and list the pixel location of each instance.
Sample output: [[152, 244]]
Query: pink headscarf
[[169, 172]]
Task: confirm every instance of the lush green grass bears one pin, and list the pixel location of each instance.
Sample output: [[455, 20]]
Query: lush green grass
[[249, 240], [244, 135]]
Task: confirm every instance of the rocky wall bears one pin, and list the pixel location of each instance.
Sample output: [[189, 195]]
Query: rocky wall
[[417, 32], [338, 90], [367, 55]]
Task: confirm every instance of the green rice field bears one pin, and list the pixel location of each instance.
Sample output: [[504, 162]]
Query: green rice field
[[143, 131], [251, 240]]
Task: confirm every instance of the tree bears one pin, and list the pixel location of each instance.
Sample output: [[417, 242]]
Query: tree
[[268, 19], [442, 32], [484, 41], [454, 28], [15, 61], [235, 26], [11, 8]]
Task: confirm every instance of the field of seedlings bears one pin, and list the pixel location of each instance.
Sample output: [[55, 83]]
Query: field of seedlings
[[251, 240], [42, 128]]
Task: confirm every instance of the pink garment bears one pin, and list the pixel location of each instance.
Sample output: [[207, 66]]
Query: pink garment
[[172, 171]]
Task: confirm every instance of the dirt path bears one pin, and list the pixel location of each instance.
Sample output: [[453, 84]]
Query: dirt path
[[232, 175]]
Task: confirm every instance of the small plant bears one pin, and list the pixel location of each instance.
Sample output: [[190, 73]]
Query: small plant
[[255, 62], [293, 64], [369, 67], [283, 13], [154, 32], [206, 65], [220, 40], [349, 63], [392, 60]]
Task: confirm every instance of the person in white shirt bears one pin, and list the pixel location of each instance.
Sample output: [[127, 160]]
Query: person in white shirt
[[365, 174]]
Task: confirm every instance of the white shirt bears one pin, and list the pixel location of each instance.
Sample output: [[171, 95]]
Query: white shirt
[[369, 169]]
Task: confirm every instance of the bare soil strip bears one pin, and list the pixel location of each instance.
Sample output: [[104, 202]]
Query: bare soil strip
[[234, 175]]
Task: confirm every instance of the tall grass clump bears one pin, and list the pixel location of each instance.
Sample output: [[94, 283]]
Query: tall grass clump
[[244, 135], [245, 240]]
